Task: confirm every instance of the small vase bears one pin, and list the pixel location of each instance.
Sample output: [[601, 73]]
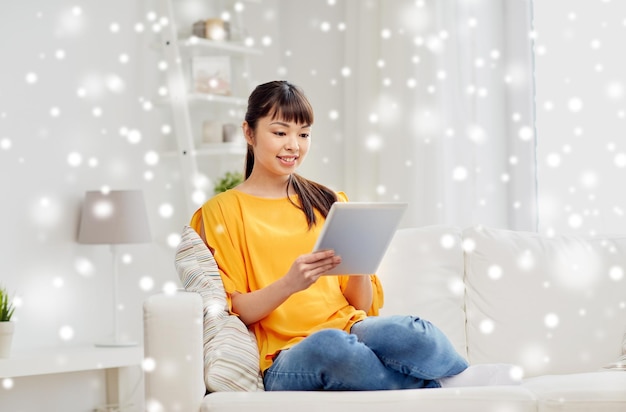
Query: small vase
[[6, 337]]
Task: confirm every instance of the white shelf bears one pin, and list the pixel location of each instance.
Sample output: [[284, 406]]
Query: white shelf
[[218, 149], [224, 46], [193, 97], [214, 149], [190, 108], [68, 359], [216, 98]]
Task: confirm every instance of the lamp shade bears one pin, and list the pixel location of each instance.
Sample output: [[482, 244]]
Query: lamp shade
[[114, 217]]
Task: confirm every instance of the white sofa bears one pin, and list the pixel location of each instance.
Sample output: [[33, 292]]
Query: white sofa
[[555, 306]]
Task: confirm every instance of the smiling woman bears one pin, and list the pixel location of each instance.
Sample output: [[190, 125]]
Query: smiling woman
[[313, 329]]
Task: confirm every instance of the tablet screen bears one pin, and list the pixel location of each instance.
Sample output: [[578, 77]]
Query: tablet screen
[[360, 233]]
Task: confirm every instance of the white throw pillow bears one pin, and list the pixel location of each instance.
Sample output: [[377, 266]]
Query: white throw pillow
[[553, 305], [231, 356]]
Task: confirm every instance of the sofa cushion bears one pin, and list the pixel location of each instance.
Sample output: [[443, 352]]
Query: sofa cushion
[[469, 399], [422, 275], [231, 356], [552, 305], [596, 391]]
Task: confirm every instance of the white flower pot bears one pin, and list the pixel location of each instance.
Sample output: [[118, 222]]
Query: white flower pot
[[6, 337]]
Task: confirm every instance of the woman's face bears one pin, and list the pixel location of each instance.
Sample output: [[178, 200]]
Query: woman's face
[[279, 146]]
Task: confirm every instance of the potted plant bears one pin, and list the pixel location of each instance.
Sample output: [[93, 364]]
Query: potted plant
[[228, 181], [6, 325]]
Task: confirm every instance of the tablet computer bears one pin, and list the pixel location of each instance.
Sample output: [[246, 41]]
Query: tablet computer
[[360, 233]]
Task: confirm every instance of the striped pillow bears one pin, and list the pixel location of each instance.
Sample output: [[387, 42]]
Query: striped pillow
[[231, 356]]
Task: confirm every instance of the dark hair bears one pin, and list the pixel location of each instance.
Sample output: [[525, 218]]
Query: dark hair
[[286, 101]]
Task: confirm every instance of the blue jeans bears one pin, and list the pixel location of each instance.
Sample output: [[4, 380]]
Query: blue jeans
[[379, 353]]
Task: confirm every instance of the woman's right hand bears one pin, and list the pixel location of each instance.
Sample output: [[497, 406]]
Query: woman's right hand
[[306, 269]]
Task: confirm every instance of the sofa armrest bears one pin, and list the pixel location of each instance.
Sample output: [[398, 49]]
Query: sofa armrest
[[173, 341]]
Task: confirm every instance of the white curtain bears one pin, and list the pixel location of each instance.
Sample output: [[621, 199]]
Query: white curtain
[[440, 110]]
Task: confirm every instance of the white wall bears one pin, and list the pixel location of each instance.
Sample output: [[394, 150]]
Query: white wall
[[71, 84], [581, 116]]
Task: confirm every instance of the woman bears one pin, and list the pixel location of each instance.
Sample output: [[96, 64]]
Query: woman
[[314, 332]]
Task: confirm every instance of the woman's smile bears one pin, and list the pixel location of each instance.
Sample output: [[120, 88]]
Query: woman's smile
[[288, 160]]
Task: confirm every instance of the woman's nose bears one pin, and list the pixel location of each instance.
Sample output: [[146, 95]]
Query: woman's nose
[[292, 143]]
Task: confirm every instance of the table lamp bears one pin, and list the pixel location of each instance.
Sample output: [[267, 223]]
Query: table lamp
[[114, 218]]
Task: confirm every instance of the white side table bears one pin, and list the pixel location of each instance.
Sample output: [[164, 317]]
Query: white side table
[[117, 363]]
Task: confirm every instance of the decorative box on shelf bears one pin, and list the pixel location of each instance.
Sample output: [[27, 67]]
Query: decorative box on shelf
[[213, 29], [211, 75]]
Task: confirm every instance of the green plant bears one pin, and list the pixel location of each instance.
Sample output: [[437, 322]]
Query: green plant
[[6, 306], [228, 181]]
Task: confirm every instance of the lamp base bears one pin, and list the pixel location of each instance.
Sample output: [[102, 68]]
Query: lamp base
[[115, 344]]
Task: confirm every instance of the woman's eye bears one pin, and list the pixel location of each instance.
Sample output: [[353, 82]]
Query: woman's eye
[[304, 135], [279, 133]]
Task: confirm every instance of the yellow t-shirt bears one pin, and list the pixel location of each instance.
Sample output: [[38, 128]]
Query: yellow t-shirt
[[255, 240]]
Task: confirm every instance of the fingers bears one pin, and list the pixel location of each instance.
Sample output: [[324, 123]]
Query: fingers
[[322, 266], [308, 268], [319, 255], [317, 259], [313, 265]]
